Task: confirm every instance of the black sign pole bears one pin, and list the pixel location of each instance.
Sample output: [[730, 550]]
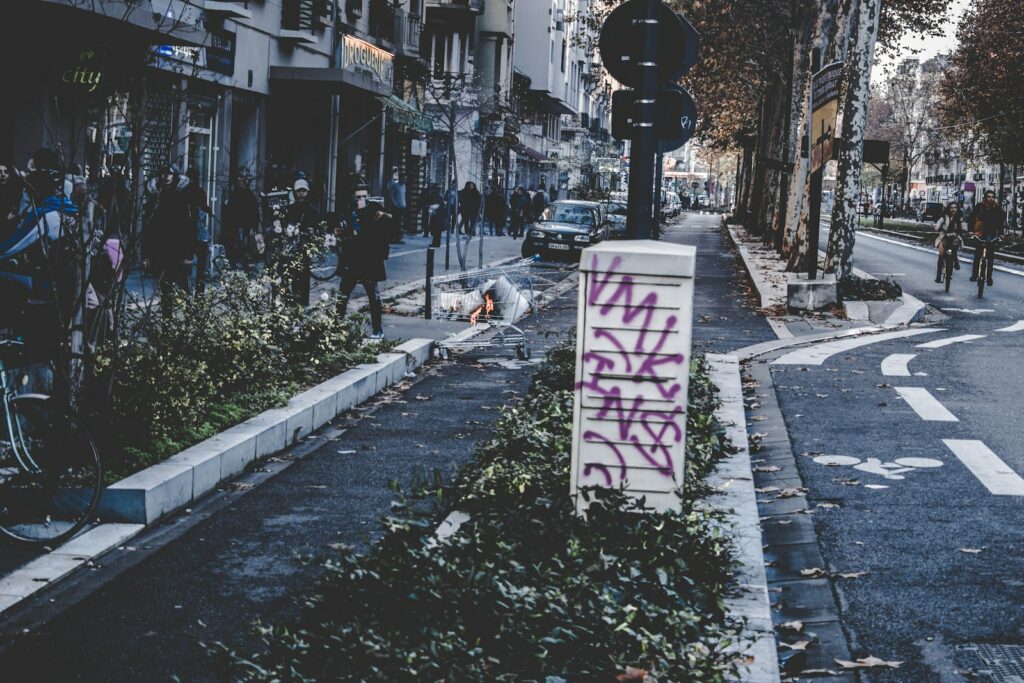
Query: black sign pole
[[659, 163], [814, 211], [644, 142]]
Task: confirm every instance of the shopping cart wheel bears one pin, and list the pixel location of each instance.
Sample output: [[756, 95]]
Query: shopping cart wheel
[[522, 353]]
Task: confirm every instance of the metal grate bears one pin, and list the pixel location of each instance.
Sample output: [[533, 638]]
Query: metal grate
[[1004, 662]]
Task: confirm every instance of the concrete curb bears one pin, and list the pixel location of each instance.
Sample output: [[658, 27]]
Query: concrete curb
[[764, 291], [734, 480], [149, 495]]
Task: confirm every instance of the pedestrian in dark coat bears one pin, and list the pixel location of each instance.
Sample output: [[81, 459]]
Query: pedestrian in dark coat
[[364, 248], [433, 196], [496, 210], [538, 203], [241, 221], [519, 210], [301, 219], [469, 207], [169, 236]]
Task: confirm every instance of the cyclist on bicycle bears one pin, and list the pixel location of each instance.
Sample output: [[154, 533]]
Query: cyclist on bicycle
[[949, 226], [987, 223]]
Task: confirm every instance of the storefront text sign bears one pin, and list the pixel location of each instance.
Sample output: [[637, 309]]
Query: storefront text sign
[[632, 370], [85, 74], [368, 60]]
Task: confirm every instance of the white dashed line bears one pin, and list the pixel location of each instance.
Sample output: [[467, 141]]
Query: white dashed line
[[818, 354], [925, 405], [1016, 327], [895, 365], [995, 474], [939, 343]]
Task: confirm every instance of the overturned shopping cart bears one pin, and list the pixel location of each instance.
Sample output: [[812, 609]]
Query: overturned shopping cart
[[488, 299]]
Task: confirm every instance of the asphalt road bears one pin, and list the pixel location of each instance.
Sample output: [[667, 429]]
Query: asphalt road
[[935, 525]]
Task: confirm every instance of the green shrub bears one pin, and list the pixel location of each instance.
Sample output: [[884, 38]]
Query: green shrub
[[526, 590], [221, 358]]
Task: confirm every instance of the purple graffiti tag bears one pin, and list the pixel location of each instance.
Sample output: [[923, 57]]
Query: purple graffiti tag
[[648, 435], [594, 437]]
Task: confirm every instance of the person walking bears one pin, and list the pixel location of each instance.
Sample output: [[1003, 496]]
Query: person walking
[[301, 218], [364, 248], [987, 223], [495, 210], [433, 196], [395, 204], [469, 208], [201, 214], [538, 203], [519, 209], [949, 226], [169, 235], [241, 221], [11, 190]]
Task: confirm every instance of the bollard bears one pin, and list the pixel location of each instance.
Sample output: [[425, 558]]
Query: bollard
[[430, 276]]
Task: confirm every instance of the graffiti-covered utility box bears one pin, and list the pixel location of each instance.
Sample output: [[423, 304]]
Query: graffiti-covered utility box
[[632, 370]]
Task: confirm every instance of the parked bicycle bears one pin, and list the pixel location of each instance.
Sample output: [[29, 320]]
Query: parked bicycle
[[50, 473]]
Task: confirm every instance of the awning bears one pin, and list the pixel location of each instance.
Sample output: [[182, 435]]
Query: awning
[[529, 153], [330, 79], [404, 114]]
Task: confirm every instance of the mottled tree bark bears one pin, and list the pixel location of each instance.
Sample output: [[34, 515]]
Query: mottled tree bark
[[860, 59]]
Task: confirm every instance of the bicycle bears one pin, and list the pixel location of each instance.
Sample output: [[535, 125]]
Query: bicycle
[[50, 471], [949, 257], [983, 252]]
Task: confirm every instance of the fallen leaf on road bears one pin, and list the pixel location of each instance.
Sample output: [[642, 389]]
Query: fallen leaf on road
[[767, 468], [239, 486], [794, 626], [846, 482], [822, 395], [814, 572], [766, 489], [883, 385], [850, 575], [632, 674], [792, 492], [798, 645], [316, 486], [827, 506], [783, 522], [759, 418], [971, 551], [868, 663], [819, 672], [421, 397]]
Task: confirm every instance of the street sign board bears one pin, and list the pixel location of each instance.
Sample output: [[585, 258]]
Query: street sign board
[[620, 52], [824, 109], [687, 124]]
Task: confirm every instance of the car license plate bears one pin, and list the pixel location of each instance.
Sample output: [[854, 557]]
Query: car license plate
[[555, 245]]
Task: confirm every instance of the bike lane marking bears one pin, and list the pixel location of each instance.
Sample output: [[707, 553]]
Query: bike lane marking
[[1016, 327], [895, 365], [948, 341], [817, 355], [925, 405], [990, 470], [963, 259]]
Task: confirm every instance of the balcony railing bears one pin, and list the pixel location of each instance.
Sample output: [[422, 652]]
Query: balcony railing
[[475, 6], [408, 28]]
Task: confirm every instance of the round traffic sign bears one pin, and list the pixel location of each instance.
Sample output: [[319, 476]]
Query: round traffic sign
[[619, 44], [687, 120]]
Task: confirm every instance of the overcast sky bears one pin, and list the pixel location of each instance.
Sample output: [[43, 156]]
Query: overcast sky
[[929, 47]]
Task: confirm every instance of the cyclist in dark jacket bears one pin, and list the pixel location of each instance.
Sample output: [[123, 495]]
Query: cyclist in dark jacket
[[987, 223]]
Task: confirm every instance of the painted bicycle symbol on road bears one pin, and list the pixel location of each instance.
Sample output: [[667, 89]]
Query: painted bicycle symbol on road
[[894, 470]]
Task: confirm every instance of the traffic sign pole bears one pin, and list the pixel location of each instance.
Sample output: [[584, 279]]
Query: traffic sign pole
[[644, 142]]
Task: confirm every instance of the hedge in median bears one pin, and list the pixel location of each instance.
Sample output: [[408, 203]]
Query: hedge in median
[[525, 590]]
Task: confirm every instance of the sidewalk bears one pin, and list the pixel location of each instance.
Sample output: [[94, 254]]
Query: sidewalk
[[240, 554]]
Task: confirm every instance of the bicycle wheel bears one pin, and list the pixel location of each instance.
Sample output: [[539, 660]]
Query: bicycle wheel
[[325, 265], [949, 272], [981, 277], [50, 473]]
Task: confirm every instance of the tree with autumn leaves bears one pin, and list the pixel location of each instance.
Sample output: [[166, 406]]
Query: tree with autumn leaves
[[982, 92]]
